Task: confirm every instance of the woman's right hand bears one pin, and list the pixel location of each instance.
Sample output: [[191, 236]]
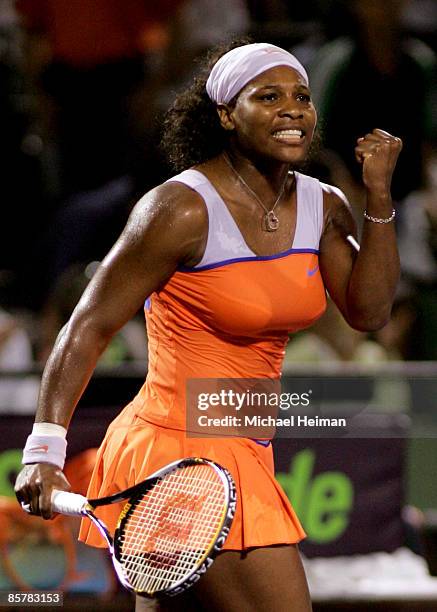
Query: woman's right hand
[[34, 486]]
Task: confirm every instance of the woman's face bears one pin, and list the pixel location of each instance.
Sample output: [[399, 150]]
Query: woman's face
[[274, 116]]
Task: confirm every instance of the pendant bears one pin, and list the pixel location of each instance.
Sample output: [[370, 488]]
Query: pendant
[[270, 222]]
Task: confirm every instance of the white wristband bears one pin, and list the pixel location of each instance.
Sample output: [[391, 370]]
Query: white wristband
[[46, 447], [49, 429]]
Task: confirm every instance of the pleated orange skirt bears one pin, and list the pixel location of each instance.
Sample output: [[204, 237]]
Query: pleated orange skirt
[[134, 448]]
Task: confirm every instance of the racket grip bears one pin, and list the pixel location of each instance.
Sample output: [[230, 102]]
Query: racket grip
[[353, 242], [71, 504]]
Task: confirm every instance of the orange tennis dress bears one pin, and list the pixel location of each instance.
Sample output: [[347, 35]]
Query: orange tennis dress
[[228, 317]]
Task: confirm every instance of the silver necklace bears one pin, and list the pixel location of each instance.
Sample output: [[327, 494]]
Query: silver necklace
[[270, 221]]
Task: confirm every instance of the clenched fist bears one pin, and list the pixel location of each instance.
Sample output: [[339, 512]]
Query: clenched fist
[[378, 152]]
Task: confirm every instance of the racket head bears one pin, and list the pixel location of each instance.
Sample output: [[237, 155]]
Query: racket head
[[169, 533]]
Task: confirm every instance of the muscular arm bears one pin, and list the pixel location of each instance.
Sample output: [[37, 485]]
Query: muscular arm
[[363, 284], [165, 228]]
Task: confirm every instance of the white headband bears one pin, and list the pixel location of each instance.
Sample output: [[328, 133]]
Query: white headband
[[240, 65]]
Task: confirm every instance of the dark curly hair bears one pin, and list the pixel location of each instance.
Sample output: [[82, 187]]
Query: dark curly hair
[[192, 133]]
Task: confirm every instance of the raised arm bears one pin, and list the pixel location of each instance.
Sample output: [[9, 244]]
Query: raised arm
[[166, 228], [363, 284]]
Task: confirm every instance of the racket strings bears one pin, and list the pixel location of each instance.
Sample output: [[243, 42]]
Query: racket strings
[[165, 556], [167, 545], [172, 527]]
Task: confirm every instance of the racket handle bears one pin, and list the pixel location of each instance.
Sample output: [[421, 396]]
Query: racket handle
[[353, 242], [71, 504]]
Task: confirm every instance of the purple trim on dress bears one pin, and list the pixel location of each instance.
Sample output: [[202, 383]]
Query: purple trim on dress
[[225, 262], [264, 443]]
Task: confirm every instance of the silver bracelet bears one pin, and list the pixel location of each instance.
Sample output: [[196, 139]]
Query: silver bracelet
[[376, 220]]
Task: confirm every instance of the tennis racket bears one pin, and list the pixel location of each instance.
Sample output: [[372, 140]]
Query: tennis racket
[[171, 528]]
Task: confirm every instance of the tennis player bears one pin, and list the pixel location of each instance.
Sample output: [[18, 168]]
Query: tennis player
[[230, 255]]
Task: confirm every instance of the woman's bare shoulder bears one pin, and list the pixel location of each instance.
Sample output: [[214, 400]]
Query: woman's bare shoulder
[[336, 209], [173, 201]]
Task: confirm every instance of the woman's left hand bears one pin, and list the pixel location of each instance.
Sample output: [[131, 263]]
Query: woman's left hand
[[378, 153]]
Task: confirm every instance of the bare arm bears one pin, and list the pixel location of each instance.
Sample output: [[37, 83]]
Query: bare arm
[[166, 228], [363, 285], [163, 230]]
